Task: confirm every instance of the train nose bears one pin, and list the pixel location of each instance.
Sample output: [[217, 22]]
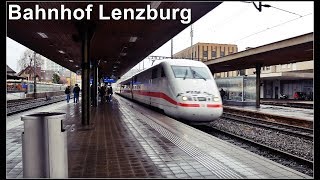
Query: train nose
[[205, 113]]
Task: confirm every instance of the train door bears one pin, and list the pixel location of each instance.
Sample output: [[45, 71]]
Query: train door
[[131, 88], [153, 83], [149, 90]]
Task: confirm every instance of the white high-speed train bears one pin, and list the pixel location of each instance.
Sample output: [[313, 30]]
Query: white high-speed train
[[183, 89]]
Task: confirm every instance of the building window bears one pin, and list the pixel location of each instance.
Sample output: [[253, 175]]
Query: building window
[[267, 67], [222, 53], [205, 54], [213, 54], [242, 72], [230, 50]]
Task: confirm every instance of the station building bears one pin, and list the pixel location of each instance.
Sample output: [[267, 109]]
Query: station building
[[209, 51], [284, 79]]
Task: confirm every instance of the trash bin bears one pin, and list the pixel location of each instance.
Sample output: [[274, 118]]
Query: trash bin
[[44, 146]]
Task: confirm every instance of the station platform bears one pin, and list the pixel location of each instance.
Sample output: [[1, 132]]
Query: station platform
[[126, 140], [286, 101], [291, 112]]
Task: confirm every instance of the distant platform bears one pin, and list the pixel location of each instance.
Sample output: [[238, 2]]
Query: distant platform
[[300, 113], [18, 95]]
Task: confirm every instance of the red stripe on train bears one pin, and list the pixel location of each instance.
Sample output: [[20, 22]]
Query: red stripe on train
[[172, 101], [214, 105]]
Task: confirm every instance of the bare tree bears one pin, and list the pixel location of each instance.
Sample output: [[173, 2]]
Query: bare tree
[[27, 60]]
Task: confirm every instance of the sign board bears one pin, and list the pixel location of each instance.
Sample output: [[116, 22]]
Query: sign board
[[109, 80]]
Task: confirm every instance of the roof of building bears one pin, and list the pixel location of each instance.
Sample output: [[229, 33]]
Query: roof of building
[[29, 70], [9, 70]]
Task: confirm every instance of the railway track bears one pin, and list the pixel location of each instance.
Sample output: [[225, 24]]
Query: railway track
[[24, 105], [292, 161], [292, 130]]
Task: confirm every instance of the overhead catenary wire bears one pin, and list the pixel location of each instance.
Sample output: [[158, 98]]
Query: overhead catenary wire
[[268, 5], [271, 27], [286, 11]]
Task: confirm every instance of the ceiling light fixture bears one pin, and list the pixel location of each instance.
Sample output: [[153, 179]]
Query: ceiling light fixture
[[71, 60], [133, 39], [105, 61], [43, 35], [123, 54], [62, 52]]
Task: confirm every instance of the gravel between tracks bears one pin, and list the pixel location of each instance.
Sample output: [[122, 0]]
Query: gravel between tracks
[[293, 145]]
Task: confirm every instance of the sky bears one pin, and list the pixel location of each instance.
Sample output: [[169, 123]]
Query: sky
[[232, 22]]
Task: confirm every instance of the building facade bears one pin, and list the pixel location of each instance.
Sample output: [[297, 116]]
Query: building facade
[[49, 68], [286, 79], [50, 65], [209, 51], [206, 51]]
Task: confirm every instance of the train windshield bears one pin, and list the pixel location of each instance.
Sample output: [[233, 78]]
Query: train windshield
[[189, 72]]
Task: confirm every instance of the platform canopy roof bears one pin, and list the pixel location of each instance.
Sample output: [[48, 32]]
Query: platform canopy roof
[[292, 50], [111, 38]]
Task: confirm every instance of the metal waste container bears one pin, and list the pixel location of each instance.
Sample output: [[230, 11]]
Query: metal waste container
[[44, 146]]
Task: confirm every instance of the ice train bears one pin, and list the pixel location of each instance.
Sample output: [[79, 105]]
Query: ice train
[[183, 89]]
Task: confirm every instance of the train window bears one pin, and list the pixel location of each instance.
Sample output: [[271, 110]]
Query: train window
[[162, 73], [154, 73], [200, 73], [182, 72], [190, 72]]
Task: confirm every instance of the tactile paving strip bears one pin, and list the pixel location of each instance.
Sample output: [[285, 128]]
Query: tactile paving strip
[[216, 167]]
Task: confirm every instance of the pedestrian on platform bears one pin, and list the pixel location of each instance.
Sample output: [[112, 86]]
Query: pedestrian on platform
[[67, 92], [76, 91], [109, 93], [222, 93], [103, 93]]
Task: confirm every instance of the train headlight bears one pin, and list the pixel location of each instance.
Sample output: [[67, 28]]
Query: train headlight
[[215, 98], [186, 98]]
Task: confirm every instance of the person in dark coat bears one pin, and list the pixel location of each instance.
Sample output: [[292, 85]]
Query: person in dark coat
[[76, 92], [222, 93], [109, 93], [103, 93], [67, 92]]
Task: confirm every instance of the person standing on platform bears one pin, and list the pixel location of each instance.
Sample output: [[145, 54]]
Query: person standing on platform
[[109, 92], [67, 92], [222, 93], [103, 93], [76, 91]]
